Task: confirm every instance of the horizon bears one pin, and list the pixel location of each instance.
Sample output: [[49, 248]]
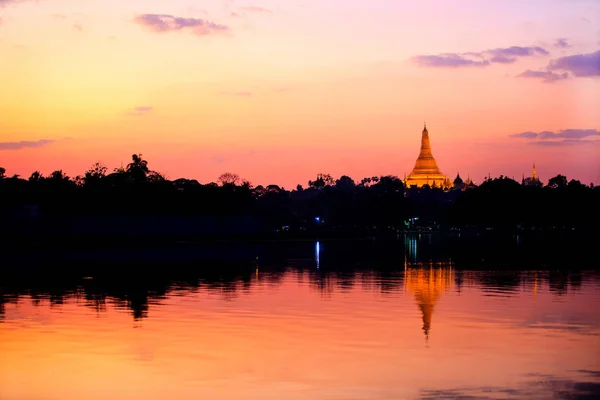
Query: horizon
[[357, 180], [249, 88]]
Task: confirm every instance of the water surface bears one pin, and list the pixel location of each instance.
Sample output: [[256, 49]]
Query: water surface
[[304, 330]]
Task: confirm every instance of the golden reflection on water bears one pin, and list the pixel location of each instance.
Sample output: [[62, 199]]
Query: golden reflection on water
[[278, 337], [427, 283]]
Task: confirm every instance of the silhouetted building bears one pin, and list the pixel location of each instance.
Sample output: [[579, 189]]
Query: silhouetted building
[[426, 171], [469, 184], [532, 181], [458, 182]]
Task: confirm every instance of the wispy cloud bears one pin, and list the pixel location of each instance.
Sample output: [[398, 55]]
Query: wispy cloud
[[240, 94], [6, 2], [25, 143], [527, 135], [449, 60], [506, 55], [162, 23], [563, 137], [576, 65], [580, 65], [546, 76], [564, 142], [140, 111], [78, 27], [562, 43], [256, 9]]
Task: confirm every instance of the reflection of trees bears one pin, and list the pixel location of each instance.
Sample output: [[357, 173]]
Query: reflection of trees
[[2, 307], [328, 282], [558, 282], [128, 290], [135, 289], [506, 282]]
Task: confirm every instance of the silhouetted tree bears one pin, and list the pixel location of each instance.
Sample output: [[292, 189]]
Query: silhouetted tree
[[390, 183], [229, 178], [259, 191], [36, 176], [322, 181], [138, 168], [58, 175], [345, 183], [575, 185], [273, 189], [96, 172], [366, 182], [558, 182], [246, 184], [328, 205]]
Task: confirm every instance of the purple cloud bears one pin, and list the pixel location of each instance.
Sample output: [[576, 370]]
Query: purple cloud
[[546, 76], [527, 135], [560, 138], [510, 54], [564, 142], [569, 134], [577, 65], [580, 65], [450, 60], [139, 111], [168, 23], [25, 143], [484, 58], [257, 9], [501, 59], [562, 43]]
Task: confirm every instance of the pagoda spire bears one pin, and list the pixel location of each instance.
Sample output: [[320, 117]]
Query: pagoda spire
[[425, 166], [534, 172]]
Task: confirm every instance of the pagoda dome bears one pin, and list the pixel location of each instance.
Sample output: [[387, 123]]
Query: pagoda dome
[[458, 180]]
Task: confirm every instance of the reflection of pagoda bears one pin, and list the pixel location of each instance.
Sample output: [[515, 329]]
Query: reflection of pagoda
[[426, 171], [427, 284]]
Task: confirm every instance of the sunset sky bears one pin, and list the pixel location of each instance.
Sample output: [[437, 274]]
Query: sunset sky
[[278, 91]]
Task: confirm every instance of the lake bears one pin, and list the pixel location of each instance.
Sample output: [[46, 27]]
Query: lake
[[321, 320]]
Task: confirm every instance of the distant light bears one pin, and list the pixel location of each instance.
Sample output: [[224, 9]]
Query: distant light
[[317, 219], [317, 253]]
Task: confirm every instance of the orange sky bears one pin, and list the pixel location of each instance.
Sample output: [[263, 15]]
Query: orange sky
[[280, 92]]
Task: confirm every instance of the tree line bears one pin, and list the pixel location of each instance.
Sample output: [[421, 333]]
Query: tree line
[[373, 203]]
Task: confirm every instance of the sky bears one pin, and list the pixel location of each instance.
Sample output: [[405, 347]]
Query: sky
[[278, 92]]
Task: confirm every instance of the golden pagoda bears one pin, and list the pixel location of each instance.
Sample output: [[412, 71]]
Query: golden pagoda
[[427, 284], [426, 171]]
